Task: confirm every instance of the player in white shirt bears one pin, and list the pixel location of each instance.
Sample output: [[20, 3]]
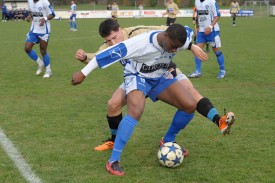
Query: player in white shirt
[[112, 33], [41, 12], [73, 26], [209, 31], [145, 58]]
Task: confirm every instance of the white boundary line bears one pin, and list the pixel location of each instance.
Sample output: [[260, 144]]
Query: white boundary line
[[18, 160]]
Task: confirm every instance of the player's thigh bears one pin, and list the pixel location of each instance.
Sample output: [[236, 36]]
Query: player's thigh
[[178, 96], [214, 39], [118, 99], [135, 103], [43, 42], [201, 39]]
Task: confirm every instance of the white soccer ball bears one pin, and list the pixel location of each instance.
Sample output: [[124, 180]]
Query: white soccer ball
[[170, 155]]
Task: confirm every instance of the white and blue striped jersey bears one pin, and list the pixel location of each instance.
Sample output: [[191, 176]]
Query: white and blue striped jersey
[[73, 9], [40, 9], [140, 55], [206, 12]]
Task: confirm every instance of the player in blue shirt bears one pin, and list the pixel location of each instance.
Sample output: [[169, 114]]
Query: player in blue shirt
[[4, 11], [73, 17]]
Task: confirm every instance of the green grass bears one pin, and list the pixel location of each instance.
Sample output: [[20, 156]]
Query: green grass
[[56, 126]]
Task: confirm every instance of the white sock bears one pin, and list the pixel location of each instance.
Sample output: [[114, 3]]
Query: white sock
[[48, 68], [39, 62]]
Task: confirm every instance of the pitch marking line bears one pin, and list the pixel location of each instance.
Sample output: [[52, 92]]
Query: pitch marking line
[[19, 161]]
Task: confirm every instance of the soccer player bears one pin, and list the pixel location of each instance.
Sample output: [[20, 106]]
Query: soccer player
[[146, 74], [209, 31], [146, 58], [114, 10], [234, 9], [195, 23], [114, 34], [172, 10], [73, 17], [41, 12], [4, 11]]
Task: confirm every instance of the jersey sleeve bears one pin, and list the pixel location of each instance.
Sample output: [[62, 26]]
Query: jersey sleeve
[[124, 50], [48, 7], [215, 9], [189, 36]]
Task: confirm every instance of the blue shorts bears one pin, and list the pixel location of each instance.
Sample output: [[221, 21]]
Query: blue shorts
[[73, 17], [150, 87], [34, 37], [213, 38]]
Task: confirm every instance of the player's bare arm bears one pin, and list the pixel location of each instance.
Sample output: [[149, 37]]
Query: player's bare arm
[[44, 19], [84, 57], [29, 18], [78, 77], [198, 52], [208, 29]]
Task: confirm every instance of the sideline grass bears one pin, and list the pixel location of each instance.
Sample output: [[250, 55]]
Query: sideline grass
[[56, 126]]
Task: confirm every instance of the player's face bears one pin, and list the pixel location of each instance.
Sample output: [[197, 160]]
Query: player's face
[[114, 38], [171, 46]]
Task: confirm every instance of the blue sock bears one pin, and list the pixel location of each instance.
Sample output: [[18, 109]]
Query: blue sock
[[125, 130], [181, 119], [71, 25], [211, 113], [46, 60], [75, 25], [198, 64], [220, 59], [113, 131], [33, 55]]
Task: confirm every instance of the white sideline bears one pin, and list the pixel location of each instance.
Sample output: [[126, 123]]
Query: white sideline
[[18, 160]]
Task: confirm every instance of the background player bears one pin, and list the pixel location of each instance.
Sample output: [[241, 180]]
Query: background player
[[73, 26], [234, 9], [172, 10], [209, 31], [195, 23], [114, 10], [40, 13], [114, 34]]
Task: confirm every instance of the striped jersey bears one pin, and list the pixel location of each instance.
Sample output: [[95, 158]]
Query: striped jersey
[[206, 12], [73, 9], [40, 9], [140, 55]]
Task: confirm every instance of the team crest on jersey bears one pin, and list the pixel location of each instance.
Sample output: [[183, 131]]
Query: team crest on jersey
[[115, 53], [111, 55]]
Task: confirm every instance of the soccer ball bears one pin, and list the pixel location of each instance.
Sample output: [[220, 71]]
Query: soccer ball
[[170, 155]]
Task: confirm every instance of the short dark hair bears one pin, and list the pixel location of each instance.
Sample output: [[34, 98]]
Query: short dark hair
[[107, 26], [177, 32]]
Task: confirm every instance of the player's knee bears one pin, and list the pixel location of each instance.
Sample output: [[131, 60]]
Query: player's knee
[[28, 50], [135, 112], [113, 105], [189, 106]]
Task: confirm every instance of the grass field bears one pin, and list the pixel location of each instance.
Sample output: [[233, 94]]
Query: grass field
[[55, 126]]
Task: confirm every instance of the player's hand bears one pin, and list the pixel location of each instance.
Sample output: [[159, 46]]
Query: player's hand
[[194, 22], [28, 18], [41, 21], [80, 55], [207, 31], [198, 52], [78, 78]]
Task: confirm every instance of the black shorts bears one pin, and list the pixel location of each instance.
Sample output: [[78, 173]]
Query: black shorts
[[170, 21]]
